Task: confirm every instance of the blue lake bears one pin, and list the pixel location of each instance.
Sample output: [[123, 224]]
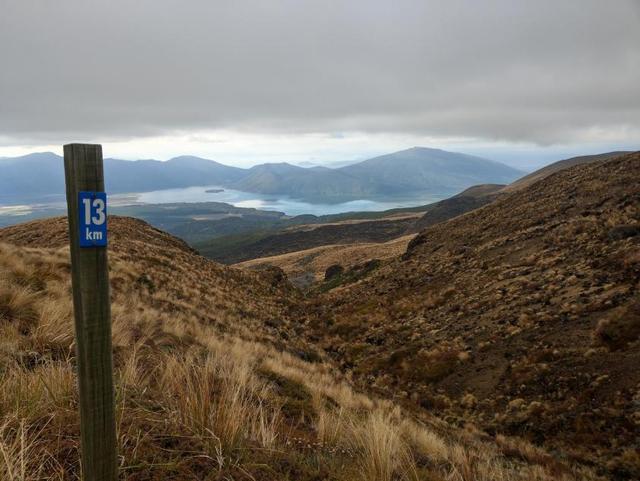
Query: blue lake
[[276, 203], [56, 205]]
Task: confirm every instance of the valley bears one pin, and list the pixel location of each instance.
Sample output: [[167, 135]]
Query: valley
[[498, 340], [215, 374], [308, 267]]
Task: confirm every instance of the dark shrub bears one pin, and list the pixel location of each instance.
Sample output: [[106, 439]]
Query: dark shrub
[[621, 232], [333, 271]]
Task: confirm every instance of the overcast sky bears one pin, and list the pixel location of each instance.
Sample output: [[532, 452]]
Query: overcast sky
[[251, 81]]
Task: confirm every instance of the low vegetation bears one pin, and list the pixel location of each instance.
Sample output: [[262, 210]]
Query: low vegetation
[[501, 345], [520, 317], [308, 268], [204, 388]]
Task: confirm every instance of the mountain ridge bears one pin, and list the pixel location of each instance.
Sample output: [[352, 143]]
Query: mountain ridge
[[554, 167], [422, 171]]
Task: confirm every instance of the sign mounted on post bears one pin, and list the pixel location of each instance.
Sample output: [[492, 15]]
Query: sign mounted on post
[[87, 214], [92, 219]]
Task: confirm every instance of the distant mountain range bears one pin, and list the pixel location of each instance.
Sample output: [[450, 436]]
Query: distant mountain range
[[39, 177]]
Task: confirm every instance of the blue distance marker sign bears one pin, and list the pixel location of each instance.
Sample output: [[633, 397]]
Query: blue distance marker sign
[[92, 219]]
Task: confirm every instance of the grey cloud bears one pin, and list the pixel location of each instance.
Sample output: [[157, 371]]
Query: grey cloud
[[543, 71]]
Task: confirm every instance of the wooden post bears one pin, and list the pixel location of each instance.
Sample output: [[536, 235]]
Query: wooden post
[[91, 304]]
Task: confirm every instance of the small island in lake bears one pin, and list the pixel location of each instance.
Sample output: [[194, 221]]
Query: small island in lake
[[214, 191]]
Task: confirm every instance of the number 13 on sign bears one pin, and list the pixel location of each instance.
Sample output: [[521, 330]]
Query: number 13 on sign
[[92, 219]]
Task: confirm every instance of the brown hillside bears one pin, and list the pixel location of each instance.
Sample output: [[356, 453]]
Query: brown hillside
[[547, 170], [212, 382], [309, 236], [522, 316], [481, 190], [308, 266], [166, 267]]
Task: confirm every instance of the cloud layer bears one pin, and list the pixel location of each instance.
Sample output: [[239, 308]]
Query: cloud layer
[[543, 72]]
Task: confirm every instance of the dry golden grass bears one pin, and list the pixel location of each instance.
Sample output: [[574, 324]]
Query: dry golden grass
[[382, 453], [314, 262], [21, 454], [200, 398]]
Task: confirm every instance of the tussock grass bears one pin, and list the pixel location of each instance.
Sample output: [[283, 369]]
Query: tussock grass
[[330, 423], [21, 457], [220, 399], [425, 442], [381, 451], [315, 261], [197, 399]]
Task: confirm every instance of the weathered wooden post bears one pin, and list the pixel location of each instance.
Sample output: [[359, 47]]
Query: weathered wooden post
[[87, 214]]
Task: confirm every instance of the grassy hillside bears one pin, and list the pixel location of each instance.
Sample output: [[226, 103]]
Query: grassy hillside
[[522, 317], [557, 167], [308, 267], [213, 379]]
